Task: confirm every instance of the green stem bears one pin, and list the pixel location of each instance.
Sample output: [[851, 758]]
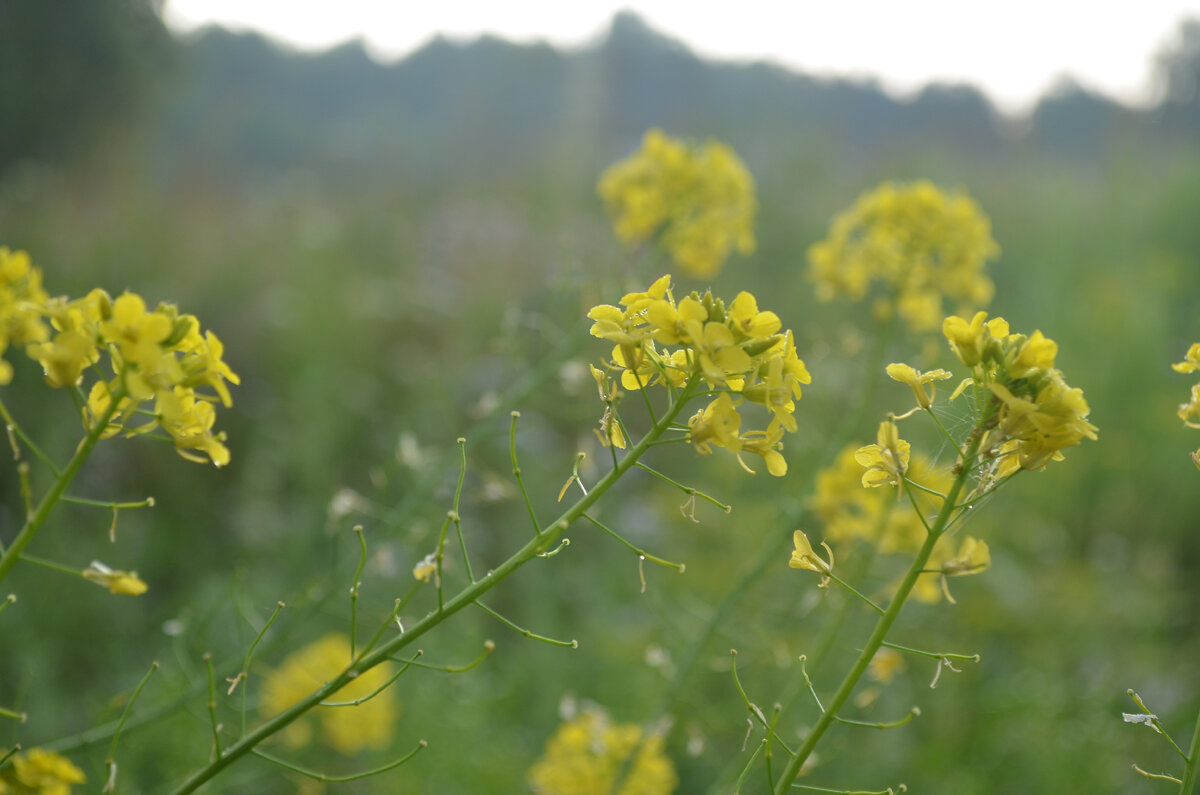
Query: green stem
[[1191, 773], [883, 626], [35, 522], [544, 538]]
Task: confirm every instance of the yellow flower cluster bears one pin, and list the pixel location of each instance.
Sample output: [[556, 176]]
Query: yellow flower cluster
[[158, 356], [698, 198], [585, 755], [347, 729], [918, 243], [736, 349], [39, 772], [1190, 412], [850, 511], [1037, 414]]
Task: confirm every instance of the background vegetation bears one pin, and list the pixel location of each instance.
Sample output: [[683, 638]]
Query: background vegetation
[[396, 255]]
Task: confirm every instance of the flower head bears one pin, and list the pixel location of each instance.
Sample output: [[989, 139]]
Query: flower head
[[916, 243], [697, 199], [587, 753], [347, 729], [40, 772]]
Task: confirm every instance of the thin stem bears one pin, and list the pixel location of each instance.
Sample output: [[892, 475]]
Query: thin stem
[[488, 648], [362, 563], [512, 449], [688, 490], [59, 487], [353, 777], [854, 591], [245, 672], [942, 428], [212, 704], [462, 474], [680, 567], [14, 428], [883, 625], [469, 595], [407, 664], [110, 762], [932, 654], [573, 644]]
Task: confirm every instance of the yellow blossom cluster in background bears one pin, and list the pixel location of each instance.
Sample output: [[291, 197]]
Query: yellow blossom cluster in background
[[39, 772], [585, 755], [737, 350], [1190, 412], [917, 243], [1037, 414], [158, 356], [347, 729], [698, 199], [850, 511]]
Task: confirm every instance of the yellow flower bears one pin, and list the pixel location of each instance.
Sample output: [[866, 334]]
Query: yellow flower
[[917, 380], [347, 729], [22, 302], [585, 755], [126, 583], [974, 341], [767, 444], [887, 460], [717, 423], [1191, 363], [919, 244], [884, 666], [697, 199], [804, 557], [425, 568], [973, 557], [40, 772], [189, 422]]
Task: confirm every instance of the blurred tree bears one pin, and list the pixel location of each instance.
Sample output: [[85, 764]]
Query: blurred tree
[[1178, 74], [70, 68]]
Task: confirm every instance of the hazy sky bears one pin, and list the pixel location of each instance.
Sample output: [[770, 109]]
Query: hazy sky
[[1014, 50]]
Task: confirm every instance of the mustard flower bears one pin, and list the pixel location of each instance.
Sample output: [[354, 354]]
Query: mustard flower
[[973, 557], [920, 245], [1037, 414], [804, 557], [126, 583], [696, 199], [737, 349], [1191, 362], [917, 380], [585, 755], [22, 301], [40, 772], [973, 341], [347, 729], [716, 424], [887, 460]]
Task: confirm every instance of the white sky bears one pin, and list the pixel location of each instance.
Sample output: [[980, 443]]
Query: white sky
[[1014, 49]]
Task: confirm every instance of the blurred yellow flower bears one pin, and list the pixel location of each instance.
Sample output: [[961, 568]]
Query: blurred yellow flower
[[347, 729], [918, 243], [697, 199], [585, 755], [22, 302], [40, 772]]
